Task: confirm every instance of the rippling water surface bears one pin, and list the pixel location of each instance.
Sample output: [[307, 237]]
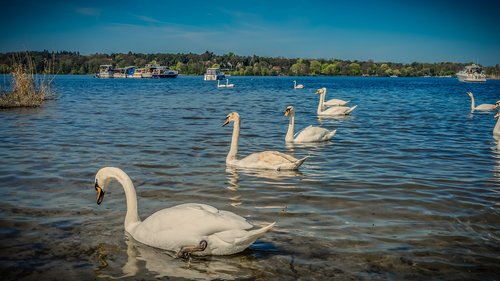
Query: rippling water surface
[[409, 188]]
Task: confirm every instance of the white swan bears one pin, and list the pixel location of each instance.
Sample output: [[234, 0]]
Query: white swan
[[308, 134], [481, 107], [496, 130], [229, 85], [196, 229], [332, 111], [299, 86], [219, 85], [332, 102], [273, 160]]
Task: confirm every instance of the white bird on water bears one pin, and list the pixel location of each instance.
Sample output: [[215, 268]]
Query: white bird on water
[[188, 229], [308, 134], [272, 160], [481, 107], [332, 111], [496, 129], [332, 102], [299, 86], [227, 85]]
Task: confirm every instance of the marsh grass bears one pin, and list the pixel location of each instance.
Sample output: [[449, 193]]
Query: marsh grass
[[28, 89]]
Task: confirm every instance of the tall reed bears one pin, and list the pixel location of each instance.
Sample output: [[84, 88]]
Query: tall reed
[[28, 89]]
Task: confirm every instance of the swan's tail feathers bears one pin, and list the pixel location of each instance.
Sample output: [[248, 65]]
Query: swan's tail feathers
[[351, 109], [331, 134], [257, 233], [300, 161]]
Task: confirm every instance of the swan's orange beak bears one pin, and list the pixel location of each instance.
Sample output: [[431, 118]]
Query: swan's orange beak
[[287, 111], [100, 194]]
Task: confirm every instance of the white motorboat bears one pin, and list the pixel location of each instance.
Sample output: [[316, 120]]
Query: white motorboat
[[471, 73]]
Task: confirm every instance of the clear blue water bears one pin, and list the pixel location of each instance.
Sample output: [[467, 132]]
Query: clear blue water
[[409, 188]]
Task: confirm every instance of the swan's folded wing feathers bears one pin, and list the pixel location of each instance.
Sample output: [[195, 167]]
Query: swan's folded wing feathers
[[199, 218]]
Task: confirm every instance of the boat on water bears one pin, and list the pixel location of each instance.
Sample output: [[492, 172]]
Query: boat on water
[[471, 73], [214, 73], [105, 71], [158, 71], [149, 71]]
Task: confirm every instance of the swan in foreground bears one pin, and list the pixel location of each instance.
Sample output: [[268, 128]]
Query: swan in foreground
[[332, 111], [188, 229], [332, 102], [299, 86], [273, 160], [308, 134], [496, 130], [481, 107]]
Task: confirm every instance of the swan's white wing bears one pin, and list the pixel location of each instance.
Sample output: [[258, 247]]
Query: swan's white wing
[[269, 160], [313, 134], [185, 224], [485, 107], [200, 218], [335, 102]]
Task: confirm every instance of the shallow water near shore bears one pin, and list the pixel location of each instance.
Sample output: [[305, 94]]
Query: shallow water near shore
[[408, 189]]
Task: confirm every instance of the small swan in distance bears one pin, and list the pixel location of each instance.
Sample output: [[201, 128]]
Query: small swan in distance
[[308, 134], [273, 160], [188, 229], [481, 107], [219, 85], [332, 102], [299, 86], [229, 85], [332, 111]]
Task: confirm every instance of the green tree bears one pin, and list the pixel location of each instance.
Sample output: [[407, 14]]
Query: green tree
[[355, 69], [315, 68]]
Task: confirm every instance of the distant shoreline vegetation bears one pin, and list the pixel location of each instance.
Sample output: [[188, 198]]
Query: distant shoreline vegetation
[[66, 62]]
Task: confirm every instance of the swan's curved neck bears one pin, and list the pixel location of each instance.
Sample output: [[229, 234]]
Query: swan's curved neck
[[472, 103], [291, 126], [234, 141], [496, 130], [321, 101], [132, 216]]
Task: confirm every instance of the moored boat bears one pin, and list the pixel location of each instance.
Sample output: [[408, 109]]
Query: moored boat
[[105, 71], [214, 73], [158, 71]]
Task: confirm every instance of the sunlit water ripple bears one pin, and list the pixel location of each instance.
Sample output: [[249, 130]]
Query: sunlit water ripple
[[408, 188]]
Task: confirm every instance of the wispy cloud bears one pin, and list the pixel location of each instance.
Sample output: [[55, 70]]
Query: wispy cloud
[[148, 19], [87, 11]]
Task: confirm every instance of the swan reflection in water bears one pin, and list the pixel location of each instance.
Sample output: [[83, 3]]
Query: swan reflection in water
[[165, 264], [234, 175]]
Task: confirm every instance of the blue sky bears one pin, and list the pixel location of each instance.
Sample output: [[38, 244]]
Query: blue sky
[[383, 30]]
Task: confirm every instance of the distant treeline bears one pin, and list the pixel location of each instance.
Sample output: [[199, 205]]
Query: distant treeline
[[65, 62]]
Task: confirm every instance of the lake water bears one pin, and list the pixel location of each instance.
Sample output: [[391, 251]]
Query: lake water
[[409, 188]]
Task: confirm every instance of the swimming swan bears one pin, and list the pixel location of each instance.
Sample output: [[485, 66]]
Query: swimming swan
[[332, 102], [308, 134], [481, 107], [332, 111], [299, 86], [219, 85], [229, 85], [273, 160], [496, 130], [188, 229]]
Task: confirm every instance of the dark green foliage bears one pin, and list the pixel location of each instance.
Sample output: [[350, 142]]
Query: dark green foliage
[[65, 62]]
